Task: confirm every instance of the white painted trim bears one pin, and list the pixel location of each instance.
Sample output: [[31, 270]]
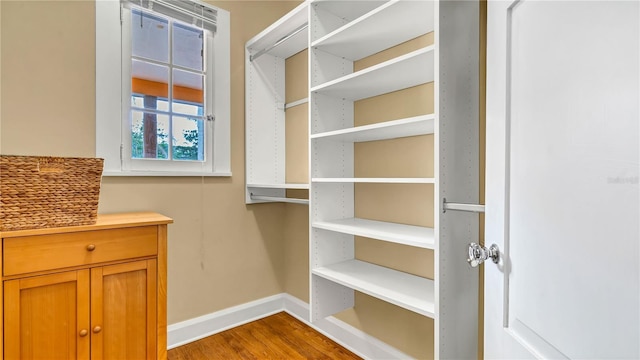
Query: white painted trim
[[165, 173], [197, 328], [108, 86], [355, 340]]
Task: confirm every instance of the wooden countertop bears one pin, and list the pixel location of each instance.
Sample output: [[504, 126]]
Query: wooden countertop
[[104, 221]]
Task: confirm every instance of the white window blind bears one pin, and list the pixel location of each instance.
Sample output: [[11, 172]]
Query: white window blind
[[190, 12]]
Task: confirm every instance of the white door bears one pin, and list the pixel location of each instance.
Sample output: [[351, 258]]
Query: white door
[[562, 180]]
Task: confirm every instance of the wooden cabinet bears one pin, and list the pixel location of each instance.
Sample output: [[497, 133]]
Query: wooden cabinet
[[123, 311], [83, 292], [44, 316]]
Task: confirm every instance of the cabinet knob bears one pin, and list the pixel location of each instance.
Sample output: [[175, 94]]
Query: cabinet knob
[[97, 329], [91, 247], [83, 332]]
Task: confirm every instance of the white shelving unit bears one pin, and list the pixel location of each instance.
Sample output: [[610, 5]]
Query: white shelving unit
[[375, 180], [372, 25], [405, 290], [417, 236], [265, 56], [400, 73], [414, 126], [340, 33]]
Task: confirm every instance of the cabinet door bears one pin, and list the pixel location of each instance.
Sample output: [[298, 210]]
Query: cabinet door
[[47, 317], [123, 311]]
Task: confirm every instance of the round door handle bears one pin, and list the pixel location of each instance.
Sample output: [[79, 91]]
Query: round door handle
[[479, 254], [84, 332], [91, 247], [97, 329]]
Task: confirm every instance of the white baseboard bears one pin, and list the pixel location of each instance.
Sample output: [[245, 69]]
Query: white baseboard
[[357, 341], [197, 328]]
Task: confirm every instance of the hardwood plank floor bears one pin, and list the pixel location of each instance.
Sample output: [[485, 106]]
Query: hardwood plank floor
[[280, 336]]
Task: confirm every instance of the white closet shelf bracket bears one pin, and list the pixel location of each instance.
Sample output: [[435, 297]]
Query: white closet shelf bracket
[[476, 208], [279, 42], [280, 199]]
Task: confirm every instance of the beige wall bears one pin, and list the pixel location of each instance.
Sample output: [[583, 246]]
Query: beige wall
[[221, 252], [296, 219]]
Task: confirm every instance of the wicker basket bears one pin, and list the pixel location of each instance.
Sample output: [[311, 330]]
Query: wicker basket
[[44, 192]]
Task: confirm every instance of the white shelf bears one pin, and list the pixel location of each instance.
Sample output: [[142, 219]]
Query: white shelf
[[418, 125], [390, 24], [405, 290], [403, 72], [278, 186], [417, 236], [280, 199], [376, 180], [281, 29], [348, 9]]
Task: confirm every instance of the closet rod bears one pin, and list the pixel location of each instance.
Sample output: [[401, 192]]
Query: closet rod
[[279, 42], [476, 208], [280, 199], [296, 103]]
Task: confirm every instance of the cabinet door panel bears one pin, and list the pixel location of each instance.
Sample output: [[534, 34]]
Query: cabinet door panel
[[45, 315], [123, 311]]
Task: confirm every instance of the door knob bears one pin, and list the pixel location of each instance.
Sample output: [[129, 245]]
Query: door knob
[[479, 254]]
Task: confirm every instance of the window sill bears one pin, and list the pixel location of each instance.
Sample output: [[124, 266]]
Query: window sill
[[166, 173]]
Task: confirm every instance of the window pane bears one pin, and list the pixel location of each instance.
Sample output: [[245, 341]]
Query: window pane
[[149, 135], [187, 46], [187, 109], [138, 101], [187, 88], [188, 138], [149, 83], [149, 36], [163, 105]]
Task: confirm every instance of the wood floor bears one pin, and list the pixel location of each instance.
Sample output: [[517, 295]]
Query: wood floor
[[280, 336]]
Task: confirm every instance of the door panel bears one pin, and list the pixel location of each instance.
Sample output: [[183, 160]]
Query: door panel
[[44, 316], [562, 180], [123, 313]]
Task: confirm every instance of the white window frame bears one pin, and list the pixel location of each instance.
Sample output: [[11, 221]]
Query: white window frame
[[113, 139]]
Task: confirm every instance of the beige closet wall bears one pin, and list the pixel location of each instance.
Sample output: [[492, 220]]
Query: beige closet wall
[[221, 252], [296, 220]]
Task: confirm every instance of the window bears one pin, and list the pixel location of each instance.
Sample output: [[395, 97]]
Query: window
[[162, 87]]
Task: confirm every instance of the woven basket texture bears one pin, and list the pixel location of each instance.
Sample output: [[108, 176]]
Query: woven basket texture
[[45, 192]]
